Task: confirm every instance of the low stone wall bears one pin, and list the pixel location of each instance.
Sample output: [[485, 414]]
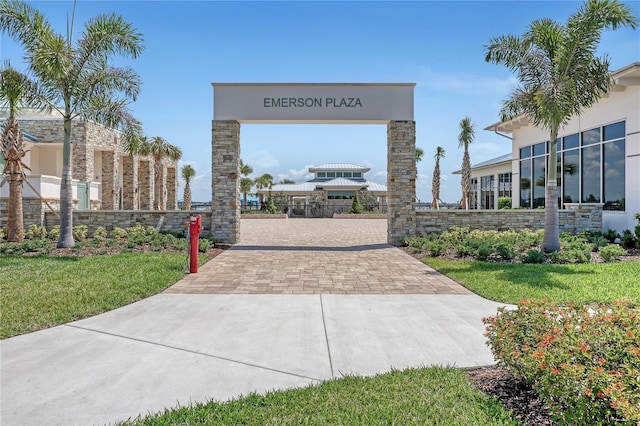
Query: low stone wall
[[359, 216], [263, 216], [173, 219], [576, 218]]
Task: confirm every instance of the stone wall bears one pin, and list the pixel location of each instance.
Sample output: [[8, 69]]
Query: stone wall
[[575, 218], [225, 180], [401, 180], [34, 210], [173, 219]]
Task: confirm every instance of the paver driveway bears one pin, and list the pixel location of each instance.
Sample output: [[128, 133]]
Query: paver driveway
[[316, 256]]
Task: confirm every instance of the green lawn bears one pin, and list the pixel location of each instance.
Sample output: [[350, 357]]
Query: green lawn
[[580, 283], [43, 291], [428, 396]]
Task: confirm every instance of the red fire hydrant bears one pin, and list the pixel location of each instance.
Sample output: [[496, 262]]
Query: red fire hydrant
[[195, 227]]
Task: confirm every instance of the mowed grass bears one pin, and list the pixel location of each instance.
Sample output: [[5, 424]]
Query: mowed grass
[[433, 396], [43, 291], [580, 283]]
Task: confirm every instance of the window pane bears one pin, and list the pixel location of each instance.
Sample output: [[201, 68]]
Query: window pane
[[322, 174], [357, 174], [347, 174], [571, 141], [539, 181], [591, 174], [331, 174], [613, 175], [539, 148], [570, 176], [591, 136], [525, 152], [613, 131], [525, 183]]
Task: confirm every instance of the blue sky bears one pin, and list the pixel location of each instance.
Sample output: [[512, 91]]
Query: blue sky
[[437, 45]]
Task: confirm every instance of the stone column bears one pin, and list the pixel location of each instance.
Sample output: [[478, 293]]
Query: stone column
[[82, 161], [110, 184], [130, 184], [172, 189], [145, 184], [401, 180], [225, 180]]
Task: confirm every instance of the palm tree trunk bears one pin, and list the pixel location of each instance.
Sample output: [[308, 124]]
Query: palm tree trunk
[[15, 222], [157, 188], [66, 194], [466, 179], [435, 190], [551, 240], [187, 196]]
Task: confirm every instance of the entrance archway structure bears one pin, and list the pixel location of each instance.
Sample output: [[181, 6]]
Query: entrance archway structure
[[313, 103]]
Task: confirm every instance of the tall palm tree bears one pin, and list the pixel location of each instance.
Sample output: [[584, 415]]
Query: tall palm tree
[[264, 181], [16, 89], [559, 76], [245, 169], [188, 172], [77, 79], [160, 150], [435, 185], [245, 187], [419, 154], [465, 138]]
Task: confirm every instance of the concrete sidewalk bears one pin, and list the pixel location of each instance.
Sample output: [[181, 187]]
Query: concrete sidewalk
[[177, 349]]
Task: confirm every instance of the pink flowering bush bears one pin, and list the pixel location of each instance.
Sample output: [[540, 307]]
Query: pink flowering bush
[[584, 361]]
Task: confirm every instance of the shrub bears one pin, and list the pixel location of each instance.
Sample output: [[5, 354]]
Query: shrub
[[583, 361], [137, 232], [100, 233], [37, 245], [533, 256], [611, 235], [611, 252], [36, 232], [150, 230], [506, 251], [118, 233], [504, 203], [435, 248], [483, 252], [80, 232], [204, 245], [54, 233], [271, 206], [628, 239], [356, 206], [2, 234], [574, 251]]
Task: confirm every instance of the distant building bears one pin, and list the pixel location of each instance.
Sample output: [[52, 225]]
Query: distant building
[[490, 180], [330, 191]]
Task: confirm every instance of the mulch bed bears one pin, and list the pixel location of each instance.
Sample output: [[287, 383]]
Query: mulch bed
[[523, 401]]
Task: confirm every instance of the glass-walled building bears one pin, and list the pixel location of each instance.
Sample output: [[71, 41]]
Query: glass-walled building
[[490, 180], [598, 155]]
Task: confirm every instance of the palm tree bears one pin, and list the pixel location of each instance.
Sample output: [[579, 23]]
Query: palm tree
[[245, 187], [419, 154], [245, 169], [264, 181], [159, 149], [559, 75], [435, 185], [188, 173], [15, 90], [465, 138], [77, 79], [286, 182]]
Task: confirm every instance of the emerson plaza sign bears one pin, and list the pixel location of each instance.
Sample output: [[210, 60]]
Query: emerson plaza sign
[[313, 103]]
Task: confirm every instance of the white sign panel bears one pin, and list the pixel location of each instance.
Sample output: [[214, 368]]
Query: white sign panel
[[313, 102]]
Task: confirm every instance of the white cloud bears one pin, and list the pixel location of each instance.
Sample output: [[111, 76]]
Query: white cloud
[[262, 159], [298, 176], [467, 84]]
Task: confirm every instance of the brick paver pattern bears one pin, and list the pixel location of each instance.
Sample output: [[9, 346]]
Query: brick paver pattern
[[315, 256]]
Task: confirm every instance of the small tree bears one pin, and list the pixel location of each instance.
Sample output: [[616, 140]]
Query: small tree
[[188, 173], [435, 185], [465, 138], [356, 206]]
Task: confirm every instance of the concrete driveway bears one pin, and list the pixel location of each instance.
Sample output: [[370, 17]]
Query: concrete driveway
[[298, 302]]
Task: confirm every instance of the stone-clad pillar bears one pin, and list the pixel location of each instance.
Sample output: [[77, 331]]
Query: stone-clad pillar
[[172, 189], [82, 161], [130, 183], [225, 180], [401, 180], [145, 184], [110, 174]]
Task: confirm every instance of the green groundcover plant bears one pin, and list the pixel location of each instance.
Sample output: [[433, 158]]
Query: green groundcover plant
[[584, 361]]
